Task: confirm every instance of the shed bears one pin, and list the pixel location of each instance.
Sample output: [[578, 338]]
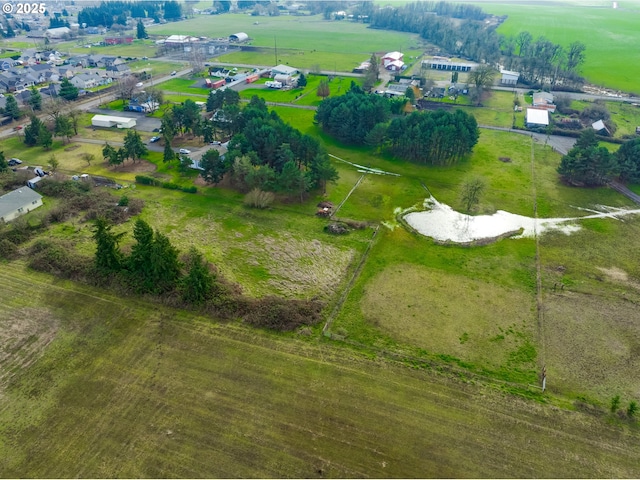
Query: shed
[[283, 70], [509, 77], [19, 202], [600, 128], [34, 181], [109, 121], [537, 118], [239, 37]]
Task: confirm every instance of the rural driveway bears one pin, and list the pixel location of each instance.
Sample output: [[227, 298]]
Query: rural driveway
[[559, 143]]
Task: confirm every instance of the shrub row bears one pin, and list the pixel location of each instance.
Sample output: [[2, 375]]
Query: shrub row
[[144, 180]]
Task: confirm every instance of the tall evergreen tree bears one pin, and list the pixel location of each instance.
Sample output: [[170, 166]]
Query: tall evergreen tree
[[35, 98], [134, 147], [197, 284], [4, 166], [141, 32], [67, 90], [11, 108], [108, 257]]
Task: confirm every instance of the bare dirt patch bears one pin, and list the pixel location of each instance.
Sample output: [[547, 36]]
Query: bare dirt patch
[[617, 275], [24, 335], [141, 166]]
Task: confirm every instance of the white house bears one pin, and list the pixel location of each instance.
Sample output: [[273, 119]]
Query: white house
[[395, 66], [18, 202], [537, 118], [109, 121]]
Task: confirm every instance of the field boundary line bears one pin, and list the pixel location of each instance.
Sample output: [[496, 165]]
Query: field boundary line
[[348, 195], [539, 299], [347, 289]]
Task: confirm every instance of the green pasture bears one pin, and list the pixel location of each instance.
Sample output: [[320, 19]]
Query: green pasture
[[136, 49], [305, 33], [609, 34], [106, 386], [155, 67]]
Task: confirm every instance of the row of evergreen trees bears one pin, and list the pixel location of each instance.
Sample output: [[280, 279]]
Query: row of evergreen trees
[[153, 266], [108, 13], [435, 138]]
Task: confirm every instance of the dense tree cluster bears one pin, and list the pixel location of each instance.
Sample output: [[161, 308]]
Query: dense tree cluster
[[351, 117], [589, 164], [434, 138], [133, 148], [273, 156]]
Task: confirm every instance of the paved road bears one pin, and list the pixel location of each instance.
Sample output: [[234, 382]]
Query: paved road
[[559, 143]]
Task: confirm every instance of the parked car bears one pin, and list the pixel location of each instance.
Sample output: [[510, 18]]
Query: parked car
[[185, 151], [154, 139], [215, 142], [14, 161], [173, 73], [139, 84]]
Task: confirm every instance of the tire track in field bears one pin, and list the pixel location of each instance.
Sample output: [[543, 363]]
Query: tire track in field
[[539, 299]]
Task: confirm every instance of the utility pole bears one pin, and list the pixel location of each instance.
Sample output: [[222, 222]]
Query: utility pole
[[275, 47]]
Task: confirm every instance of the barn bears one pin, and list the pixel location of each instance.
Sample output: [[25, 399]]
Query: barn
[[537, 118], [109, 121], [18, 202]]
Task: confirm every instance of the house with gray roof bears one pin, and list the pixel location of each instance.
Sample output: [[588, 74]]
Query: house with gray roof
[[18, 202]]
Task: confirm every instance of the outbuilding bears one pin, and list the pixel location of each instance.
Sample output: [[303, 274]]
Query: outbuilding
[[509, 77], [537, 118], [19, 202], [109, 121], [283, 70], [238, 37]]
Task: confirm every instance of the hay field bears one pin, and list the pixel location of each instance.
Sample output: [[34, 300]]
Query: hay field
[[125, 389]]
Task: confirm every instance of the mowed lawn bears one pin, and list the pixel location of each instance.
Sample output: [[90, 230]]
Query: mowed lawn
[[609, 34], [114, 387]]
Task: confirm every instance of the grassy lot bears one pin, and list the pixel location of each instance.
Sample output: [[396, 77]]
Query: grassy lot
[[608, 34], [183, 85], [119, 388], [137, 49]]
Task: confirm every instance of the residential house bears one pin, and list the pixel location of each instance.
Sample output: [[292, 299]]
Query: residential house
[[18, 202], [85, 80], [95, 61], [392, 57], [118, 70], [544, 100], [78, 61], [112, 61]]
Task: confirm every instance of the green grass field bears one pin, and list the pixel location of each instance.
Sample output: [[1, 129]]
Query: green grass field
[[182, 396], [608, 34]]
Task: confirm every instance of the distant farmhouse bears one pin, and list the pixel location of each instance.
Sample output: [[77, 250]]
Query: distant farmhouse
[[544, 100], [18, 202], [393, 61]]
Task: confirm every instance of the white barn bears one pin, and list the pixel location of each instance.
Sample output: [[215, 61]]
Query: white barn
[[109, 121], [18, 202]]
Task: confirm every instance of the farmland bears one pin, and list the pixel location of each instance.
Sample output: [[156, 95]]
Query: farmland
[[429, 362], [609, 35], [175, 401]]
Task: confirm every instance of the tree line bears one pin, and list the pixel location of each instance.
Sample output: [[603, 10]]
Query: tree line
[[108, 13], [435, 138], [588, 164], [539, 61]]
